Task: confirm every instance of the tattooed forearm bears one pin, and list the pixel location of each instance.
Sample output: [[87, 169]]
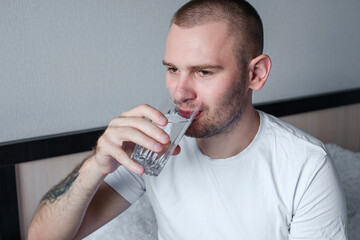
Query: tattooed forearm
[[60, 189], [54, 193]]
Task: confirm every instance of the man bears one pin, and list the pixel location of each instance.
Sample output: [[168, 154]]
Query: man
[[243, 174]]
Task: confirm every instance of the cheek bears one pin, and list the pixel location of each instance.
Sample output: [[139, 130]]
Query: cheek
[[211, 97], [169, 81]]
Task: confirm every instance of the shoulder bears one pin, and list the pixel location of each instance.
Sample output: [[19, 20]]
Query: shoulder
[[290, 145], [286, 134]]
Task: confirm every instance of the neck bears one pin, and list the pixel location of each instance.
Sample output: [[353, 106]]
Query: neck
[[231, 143]]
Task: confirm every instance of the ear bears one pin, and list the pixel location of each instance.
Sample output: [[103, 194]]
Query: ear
[[259, 69]]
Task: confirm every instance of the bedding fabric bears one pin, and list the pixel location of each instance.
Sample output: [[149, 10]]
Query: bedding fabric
[[347, 164]]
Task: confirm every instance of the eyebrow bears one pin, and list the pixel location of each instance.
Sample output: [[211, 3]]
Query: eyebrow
[[201, 66]]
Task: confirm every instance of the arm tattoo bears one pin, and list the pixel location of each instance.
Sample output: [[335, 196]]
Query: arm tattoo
[[55, 192]]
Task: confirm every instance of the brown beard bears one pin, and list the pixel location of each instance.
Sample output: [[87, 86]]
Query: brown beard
[[224, 117]]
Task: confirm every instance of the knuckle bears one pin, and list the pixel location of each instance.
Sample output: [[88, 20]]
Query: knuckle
[[97, 149], [125, 114], [144, 106], [123, 131], [114, 121], [141, 107], [119, 157], [100, 142], [124, 161]]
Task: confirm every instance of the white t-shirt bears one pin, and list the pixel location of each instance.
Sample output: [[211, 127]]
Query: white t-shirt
[[282, 186]]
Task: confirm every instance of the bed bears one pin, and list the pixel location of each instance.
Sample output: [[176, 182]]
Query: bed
[[30, 167]]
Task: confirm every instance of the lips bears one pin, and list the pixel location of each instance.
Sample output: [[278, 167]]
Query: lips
[[187, 114], [197, 114]]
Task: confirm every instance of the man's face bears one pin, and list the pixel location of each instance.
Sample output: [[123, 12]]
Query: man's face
[[202, 60]]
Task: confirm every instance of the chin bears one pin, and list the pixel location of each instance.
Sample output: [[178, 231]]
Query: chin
[[193, 130], [196, 131], [190, 132], [199, 128]]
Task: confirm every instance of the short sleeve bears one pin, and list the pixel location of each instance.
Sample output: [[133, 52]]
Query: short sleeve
[[129, 185], [321, 213]]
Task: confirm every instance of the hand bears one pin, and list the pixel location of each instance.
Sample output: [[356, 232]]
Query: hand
[[115, 146]]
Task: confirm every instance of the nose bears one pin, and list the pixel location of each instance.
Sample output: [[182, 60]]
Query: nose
[[185, 100], [182, 87], [182, 81], [181, 95]]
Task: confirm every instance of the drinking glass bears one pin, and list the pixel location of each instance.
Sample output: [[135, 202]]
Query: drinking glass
[[180, 108]]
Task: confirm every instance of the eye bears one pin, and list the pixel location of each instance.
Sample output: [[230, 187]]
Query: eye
[[204, 73], [172, 69]]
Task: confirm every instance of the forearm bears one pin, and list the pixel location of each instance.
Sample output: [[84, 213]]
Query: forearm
[[62, 209]]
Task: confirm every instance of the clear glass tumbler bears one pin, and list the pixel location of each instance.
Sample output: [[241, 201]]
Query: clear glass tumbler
[[179, 108]]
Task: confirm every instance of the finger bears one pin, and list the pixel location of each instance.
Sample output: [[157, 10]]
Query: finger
[[129, 134], [147, 111], [122, 157], [176, 151], [146, 127]]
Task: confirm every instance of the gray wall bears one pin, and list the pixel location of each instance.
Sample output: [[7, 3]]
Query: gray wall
[[72, 65]]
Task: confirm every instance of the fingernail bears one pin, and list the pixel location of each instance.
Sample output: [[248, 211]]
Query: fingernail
[[138, 169], [157, 146], [162, 119], [164, 137]]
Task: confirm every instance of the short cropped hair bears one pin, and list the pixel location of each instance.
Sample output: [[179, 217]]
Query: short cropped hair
[[242, 20]]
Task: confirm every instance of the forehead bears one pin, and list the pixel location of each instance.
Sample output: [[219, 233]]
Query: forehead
[[209, 42]]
